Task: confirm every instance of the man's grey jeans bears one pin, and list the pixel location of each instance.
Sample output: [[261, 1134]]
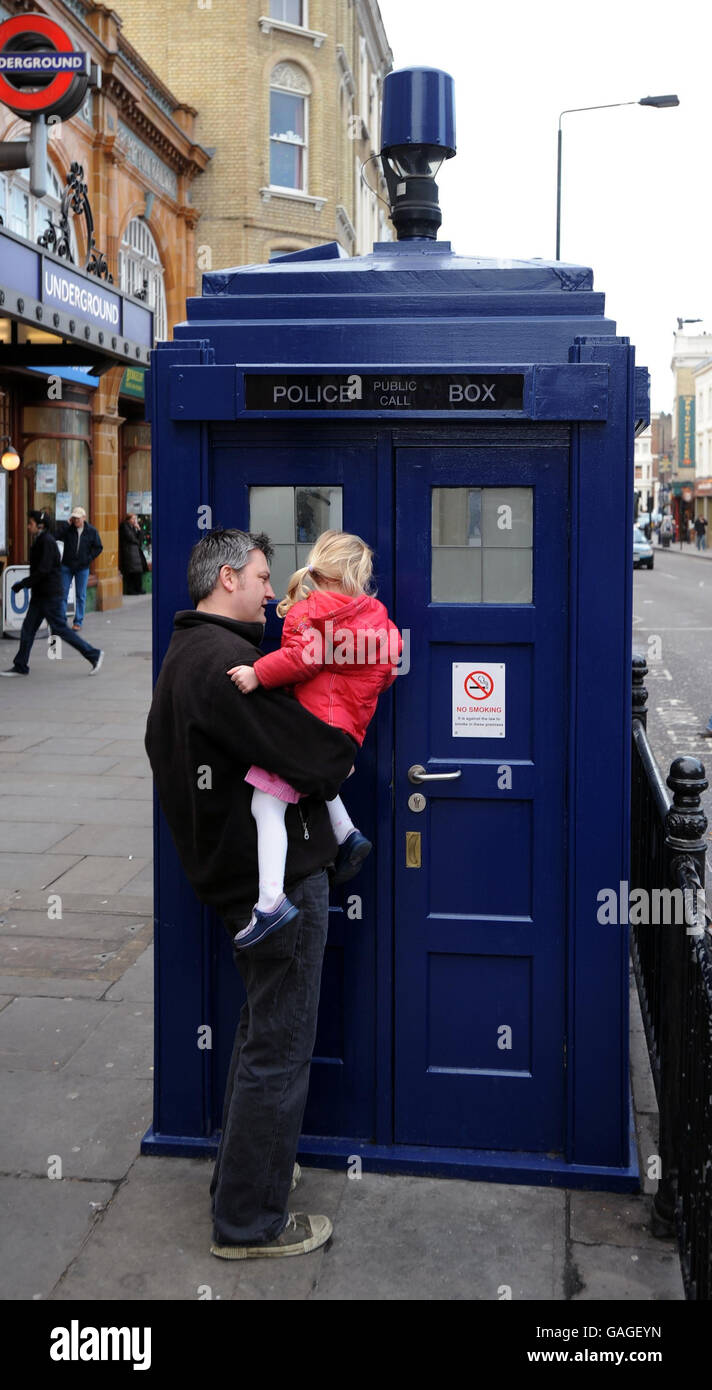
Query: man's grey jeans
[[268, 1079]]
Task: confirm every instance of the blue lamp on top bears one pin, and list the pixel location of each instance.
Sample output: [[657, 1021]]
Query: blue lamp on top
[[418, 134]]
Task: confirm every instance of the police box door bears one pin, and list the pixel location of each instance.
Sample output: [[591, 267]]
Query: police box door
[[481, 586]]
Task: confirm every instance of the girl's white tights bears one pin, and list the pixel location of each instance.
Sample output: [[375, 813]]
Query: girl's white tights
[[341, 823], [268, 812]]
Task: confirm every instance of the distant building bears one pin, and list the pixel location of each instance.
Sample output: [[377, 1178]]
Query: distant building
[[289, 100], [643, 472], [661, 457], [703, 448], [689, 352]]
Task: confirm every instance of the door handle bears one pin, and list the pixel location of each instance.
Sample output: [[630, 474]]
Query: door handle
[[417, 774]]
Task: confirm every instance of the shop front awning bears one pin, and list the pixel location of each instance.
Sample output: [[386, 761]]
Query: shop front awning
[[83, 375], [71, 319]]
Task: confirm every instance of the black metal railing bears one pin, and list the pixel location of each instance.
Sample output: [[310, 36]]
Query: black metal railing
[[671, 945]]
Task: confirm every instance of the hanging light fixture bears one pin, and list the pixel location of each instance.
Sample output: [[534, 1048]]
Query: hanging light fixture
[[10, 457]]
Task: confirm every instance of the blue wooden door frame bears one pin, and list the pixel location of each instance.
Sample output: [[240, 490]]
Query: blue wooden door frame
[[480, 927]]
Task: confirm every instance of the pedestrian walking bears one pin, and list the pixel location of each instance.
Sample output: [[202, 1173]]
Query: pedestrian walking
[[45, 584], [701, 532], [82, 544], [328, 609], [132, 561], [199, 721]]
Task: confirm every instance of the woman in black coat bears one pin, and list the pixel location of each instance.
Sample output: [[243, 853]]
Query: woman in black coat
[[132, 561]]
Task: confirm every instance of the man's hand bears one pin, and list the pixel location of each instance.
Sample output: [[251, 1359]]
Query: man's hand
[[244, 678]]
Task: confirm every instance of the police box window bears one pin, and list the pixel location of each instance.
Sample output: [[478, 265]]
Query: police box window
[[293, 518], [482, 541]]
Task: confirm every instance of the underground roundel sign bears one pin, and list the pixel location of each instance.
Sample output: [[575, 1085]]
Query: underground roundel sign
[[41, 72]]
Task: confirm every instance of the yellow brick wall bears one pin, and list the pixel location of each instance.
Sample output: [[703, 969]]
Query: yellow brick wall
[[214, 55], [117, 193]]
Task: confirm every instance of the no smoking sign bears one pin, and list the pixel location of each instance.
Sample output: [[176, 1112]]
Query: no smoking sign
[[478, 700], [479, 685]]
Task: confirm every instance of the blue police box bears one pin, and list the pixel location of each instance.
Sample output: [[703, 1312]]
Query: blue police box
[[473, 420]]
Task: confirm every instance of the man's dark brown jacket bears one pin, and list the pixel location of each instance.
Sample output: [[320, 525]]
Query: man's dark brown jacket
[[203, 734]]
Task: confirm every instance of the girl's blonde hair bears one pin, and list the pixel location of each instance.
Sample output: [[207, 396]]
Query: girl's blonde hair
[[337, 558]]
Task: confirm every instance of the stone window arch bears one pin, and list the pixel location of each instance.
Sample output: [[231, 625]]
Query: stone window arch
[[141, 272]]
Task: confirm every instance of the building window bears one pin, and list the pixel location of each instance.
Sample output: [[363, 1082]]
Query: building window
[[141, 273], [278, 251], [55, 458], [28, 216], [136, 448], [363, 80], [289, 94], [289, 12]]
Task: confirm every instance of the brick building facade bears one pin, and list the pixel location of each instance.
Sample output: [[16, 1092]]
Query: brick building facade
[[137, 146], [288, 94]]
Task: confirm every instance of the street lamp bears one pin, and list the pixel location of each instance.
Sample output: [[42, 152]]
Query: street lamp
[[670, 100]]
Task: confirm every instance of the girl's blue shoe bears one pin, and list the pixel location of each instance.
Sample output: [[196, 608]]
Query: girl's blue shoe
[[261, 924], [350, 856]]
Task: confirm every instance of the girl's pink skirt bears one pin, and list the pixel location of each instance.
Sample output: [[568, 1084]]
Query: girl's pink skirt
[[271, 782]]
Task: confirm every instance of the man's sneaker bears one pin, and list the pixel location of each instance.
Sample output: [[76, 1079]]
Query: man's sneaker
[[350, 857], [96, 665], [301, 1234], [14, 672], [261, 924]]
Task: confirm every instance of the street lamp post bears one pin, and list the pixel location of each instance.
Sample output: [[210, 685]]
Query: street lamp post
[[661, 101]]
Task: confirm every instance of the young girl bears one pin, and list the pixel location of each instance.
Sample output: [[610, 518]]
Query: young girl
[[339, 651]]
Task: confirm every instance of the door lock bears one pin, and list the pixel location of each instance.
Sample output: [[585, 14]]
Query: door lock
[[417, 774], [416, 801]]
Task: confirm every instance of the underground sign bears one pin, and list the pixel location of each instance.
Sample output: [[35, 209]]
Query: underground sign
[[41, 72]]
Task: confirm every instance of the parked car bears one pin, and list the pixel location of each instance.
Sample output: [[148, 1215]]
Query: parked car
[[643, 557]]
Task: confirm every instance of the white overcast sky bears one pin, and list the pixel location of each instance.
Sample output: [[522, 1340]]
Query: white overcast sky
[[637, 182]]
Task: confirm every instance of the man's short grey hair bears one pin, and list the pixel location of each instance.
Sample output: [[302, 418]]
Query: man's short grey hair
[[218, 548]]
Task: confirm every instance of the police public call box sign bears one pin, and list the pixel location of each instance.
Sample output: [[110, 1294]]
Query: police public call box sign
[[396, 391]]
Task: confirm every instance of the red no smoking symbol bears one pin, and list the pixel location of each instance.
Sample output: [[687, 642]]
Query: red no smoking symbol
[[479, 685]]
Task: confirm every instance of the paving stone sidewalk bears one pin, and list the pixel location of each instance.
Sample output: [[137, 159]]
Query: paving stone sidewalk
[[85, 1216], [685, 549]]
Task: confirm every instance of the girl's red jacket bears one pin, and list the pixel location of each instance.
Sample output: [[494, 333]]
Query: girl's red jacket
[[339, 653]]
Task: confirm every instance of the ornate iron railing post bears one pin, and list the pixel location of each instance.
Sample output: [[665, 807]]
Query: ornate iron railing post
[[685, 826], [640, 694]]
